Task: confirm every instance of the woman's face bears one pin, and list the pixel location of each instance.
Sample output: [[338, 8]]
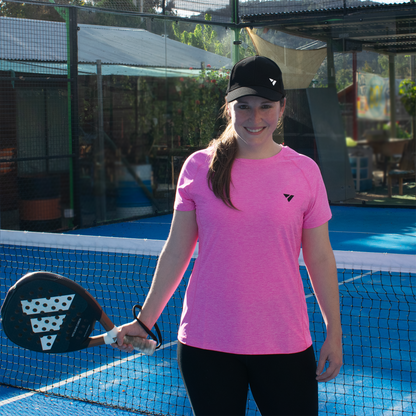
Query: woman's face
[[254, 120]]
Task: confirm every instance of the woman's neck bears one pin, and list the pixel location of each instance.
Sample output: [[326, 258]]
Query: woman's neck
[[261, 152]]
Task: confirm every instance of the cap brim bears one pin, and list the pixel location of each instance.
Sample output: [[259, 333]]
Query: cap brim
[[258, 91]]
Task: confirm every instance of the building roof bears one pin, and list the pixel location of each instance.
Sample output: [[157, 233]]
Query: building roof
[[382, 28], [45, 41]]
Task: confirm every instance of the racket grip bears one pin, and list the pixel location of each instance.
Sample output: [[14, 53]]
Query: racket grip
[[144, 345]]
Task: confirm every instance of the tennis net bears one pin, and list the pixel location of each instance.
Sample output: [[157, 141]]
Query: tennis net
[[378, 307]]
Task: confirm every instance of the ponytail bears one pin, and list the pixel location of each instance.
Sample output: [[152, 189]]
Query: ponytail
[[224, 152]]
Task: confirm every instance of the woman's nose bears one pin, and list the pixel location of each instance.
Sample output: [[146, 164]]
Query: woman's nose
[[255, 114]]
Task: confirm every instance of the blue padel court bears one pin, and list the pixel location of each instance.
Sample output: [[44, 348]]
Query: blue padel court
[[384, 230], [378, 310]]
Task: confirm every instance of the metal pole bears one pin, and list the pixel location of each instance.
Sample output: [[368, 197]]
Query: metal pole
[[99, 168], [392, 84], [74, 204], [354, 102], [70, 17], [331, 65], [235, 52], [413, 78]]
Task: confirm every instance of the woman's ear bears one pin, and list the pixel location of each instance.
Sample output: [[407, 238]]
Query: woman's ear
[[282, 108]]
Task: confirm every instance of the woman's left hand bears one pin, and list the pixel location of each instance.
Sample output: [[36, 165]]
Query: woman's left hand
[[331, 352]]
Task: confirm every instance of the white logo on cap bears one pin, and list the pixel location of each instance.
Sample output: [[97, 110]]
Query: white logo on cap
[[273, 81]]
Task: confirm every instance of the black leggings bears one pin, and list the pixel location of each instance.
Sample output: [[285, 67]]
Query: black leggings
[[217, 383]]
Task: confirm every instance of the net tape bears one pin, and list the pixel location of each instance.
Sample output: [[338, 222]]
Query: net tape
[[386, 262]]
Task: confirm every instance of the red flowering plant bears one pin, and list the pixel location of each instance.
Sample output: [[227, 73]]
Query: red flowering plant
[[178, 113], [196, 117]]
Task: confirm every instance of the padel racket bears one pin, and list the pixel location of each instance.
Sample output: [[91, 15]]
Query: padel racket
[[46, 312]]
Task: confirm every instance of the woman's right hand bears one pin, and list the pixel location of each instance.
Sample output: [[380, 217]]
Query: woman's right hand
[[133, 329]]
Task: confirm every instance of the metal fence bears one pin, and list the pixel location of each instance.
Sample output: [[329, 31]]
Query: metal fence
[[98, 112], [101, 102]]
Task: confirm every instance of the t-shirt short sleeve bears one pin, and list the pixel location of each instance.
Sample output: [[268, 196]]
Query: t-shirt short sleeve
[[183, 198], [319, 211]]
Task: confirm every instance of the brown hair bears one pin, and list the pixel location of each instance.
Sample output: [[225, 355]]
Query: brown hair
[[224, 152]]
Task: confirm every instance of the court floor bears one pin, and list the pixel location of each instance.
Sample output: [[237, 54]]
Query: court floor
[[377, 379], [386, 230]]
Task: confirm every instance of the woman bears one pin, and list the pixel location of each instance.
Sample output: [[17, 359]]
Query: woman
[[251, 203]]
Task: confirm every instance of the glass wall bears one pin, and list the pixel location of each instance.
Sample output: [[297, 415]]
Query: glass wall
[[100, 109], [351, 98], [139, 122]]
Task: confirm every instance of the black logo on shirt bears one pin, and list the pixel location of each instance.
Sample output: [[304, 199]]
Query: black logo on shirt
[[288, 197]]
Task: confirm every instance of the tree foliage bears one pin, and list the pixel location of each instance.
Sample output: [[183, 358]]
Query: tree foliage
[[401, 64], [202, 37], [218, 40], [29, 11], [407, 93]]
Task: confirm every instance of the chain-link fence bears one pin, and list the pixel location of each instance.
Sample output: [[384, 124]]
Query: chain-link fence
[[221, 11], [99, 111], [37, 134], [101, 102]]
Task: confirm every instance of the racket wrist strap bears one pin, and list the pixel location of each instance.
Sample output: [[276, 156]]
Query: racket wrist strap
[[111, 336], [148, 331]]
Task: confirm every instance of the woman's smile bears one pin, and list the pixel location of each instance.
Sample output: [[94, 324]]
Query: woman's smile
[[254, 130]]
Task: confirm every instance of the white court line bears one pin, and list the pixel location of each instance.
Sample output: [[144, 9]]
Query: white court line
[[343, 282], [386, 262], [78, 377], [371, 232], [354, 278], [406, 400]]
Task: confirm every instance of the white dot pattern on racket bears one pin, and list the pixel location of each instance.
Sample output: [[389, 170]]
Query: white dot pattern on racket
[[47, 342], [47, 324], [46, 305]]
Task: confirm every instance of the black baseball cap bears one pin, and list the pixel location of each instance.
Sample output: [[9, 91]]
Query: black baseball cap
[[256, 75]]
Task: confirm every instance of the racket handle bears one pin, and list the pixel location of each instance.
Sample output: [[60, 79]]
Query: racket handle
[[144, 345]]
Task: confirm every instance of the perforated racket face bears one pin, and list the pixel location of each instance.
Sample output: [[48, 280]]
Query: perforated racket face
[[49, 313]]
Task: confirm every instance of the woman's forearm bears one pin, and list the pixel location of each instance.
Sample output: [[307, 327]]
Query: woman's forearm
[[323, 275], [168, 274], [320, 262]]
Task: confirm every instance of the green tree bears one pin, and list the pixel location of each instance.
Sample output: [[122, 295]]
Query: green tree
[[407, 93], [367, 68], [202, 37], [343, 78], [110, 19], [213, 40], [29, 11], [401, 63], [196, 115]]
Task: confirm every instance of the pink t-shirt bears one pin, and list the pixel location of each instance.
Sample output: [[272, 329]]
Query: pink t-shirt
[[245, 294]]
